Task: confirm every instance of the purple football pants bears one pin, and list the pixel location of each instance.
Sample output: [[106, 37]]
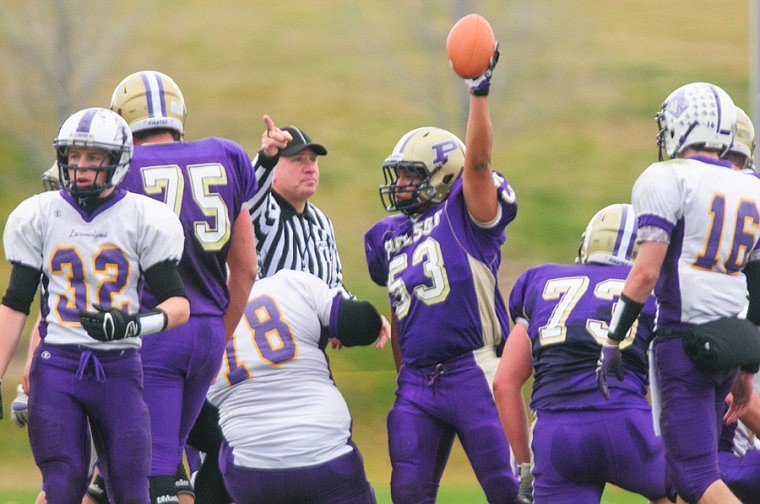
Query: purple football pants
[[742, 474], [71, 385], [341, 480], [179, 365], [577, 452], [433, 405], [691, 418]]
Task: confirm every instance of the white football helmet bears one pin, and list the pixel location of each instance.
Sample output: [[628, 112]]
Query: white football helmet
[[50, 180], [742, 152], [94, 128], [435, 155], [610, 237], [150, 100], [699, 115]]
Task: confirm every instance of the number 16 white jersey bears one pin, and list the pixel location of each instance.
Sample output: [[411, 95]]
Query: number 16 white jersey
[[712, 215]]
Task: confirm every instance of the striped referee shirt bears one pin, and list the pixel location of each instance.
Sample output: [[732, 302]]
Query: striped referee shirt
[[286, 239]]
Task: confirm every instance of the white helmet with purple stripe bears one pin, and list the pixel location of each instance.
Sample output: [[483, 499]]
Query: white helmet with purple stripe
[[698, 115], [94, 128]]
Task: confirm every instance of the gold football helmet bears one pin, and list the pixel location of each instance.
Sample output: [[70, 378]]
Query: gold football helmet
[[150, 100], [50, 180], [742, 152], [610, 237], [436, 158]]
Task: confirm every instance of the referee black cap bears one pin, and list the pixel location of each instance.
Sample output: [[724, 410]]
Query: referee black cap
[[300, 142]]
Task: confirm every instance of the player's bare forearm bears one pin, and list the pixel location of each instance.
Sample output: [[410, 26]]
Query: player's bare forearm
[[241, 261], [12, 323]]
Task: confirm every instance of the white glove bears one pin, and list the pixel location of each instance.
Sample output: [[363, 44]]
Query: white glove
[[20, 408], [525, 493], [481, 85]]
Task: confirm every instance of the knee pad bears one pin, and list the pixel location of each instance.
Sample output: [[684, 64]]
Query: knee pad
[[163, 489], [97, 490], [182, 482]]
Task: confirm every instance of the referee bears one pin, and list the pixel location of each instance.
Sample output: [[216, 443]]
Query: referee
[[291, 233]]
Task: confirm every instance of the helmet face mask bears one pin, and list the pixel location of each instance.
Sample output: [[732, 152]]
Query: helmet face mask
[[99, 129], [698, 115], [150, 100], [432, 159], [610, 237]]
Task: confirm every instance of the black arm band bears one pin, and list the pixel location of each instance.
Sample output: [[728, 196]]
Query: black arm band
[[266, 161], [164, 281], [22, 288], [625, 314], [358, 322], [752, 273]]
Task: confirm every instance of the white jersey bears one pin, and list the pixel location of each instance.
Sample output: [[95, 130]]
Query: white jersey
[[278, 406], [712, 215], [84, 259]]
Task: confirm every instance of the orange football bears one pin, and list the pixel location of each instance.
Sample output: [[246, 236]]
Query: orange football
[[470, 45]]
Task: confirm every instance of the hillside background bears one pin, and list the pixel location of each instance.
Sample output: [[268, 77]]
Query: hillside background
[[573, 102]]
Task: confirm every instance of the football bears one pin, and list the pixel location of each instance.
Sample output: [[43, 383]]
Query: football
[[470, 45]]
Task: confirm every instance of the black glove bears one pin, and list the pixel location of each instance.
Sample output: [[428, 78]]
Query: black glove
[[108, 324]]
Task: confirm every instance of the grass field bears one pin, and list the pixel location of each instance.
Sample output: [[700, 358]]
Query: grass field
[[573, 101]]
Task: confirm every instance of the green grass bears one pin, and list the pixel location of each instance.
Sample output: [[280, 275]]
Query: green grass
[[573, 102]]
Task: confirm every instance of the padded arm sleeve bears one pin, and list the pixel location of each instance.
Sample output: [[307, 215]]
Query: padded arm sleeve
[[358, 322], [164, 281], [752, 272], [21, 288]]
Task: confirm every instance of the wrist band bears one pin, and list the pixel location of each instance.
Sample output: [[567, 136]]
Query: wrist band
[[153, 322], [625, 314]]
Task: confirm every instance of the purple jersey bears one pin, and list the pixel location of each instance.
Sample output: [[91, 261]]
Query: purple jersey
[[567, 309], [206, 182], [445, 266]]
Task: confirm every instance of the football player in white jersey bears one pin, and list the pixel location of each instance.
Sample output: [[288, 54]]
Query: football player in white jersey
[[91, 245], [699, 229], [286, 426]]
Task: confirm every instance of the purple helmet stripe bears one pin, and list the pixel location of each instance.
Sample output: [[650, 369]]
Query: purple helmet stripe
[[86, 120], [154, 94]]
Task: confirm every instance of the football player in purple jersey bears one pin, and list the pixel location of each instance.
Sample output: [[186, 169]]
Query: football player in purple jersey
[[699, 249], [206, 183], [439, 259], [560, 314], [91, 245]]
